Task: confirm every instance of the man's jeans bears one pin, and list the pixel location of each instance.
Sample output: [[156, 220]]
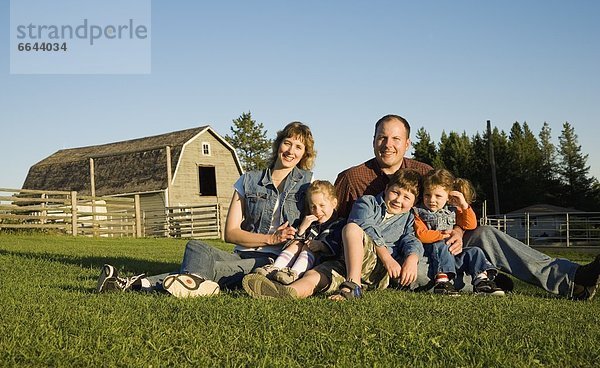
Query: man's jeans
[[512, 256], [227, 269]]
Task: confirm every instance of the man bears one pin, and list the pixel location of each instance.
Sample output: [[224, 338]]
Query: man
[[390, 143]]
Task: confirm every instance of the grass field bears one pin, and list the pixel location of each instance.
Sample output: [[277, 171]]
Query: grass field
[[50, 316]]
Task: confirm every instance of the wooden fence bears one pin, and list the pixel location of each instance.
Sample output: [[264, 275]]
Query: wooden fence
[[70, 213], [201, 221]]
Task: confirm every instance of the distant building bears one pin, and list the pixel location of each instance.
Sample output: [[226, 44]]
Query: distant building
[[185, 168]]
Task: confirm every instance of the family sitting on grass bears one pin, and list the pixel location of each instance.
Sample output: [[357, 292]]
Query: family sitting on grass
[[408, 227]]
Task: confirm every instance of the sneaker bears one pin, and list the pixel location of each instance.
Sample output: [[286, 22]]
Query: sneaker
[[260, 287], [584, 292], [117, 283], [504, 282], [266, 271], [189, 285], [285, 276], [107, 272], [487, 287], [445, 288]]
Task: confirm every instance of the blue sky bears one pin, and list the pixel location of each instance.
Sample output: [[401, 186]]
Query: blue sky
[[336, 65]]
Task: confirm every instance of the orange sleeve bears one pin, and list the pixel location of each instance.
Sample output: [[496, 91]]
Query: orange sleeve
[[425, 235], [466, 218]]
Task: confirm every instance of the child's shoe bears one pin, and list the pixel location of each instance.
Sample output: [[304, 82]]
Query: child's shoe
[[445, 288], [487, 287], [286, 276], [267, 271]]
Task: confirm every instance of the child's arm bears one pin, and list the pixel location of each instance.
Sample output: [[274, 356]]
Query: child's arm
[[426, 235], [391, 265], [308, 219], [409, 270], [466, 218]]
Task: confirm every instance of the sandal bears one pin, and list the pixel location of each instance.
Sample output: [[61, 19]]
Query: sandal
[[355, 292]]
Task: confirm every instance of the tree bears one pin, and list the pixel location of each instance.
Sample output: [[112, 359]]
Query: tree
[[424, 148], [250, 142], [550, 186], [573, 172]]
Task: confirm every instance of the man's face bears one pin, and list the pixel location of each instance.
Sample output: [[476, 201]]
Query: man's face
[[390, 144]]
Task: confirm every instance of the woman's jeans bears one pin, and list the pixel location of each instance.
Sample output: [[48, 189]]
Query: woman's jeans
[[227, 269]]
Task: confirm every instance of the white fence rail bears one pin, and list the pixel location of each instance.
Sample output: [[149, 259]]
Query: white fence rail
[[559, 228]]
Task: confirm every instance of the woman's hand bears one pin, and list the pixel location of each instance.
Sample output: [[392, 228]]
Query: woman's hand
[[283, 233]]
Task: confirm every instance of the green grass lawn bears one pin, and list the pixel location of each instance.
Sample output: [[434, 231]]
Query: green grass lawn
[[51, 317]]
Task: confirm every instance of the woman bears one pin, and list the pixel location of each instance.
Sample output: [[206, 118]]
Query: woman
[[265, 211]]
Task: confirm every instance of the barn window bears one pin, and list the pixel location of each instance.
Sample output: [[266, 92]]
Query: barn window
[[208, 180], [206, 148]]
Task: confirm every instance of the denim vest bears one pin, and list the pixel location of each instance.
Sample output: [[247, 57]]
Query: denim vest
[[442, 219], [261, 196]]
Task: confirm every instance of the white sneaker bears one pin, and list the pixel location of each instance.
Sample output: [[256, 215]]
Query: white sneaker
[[189, 285], [106, 278]]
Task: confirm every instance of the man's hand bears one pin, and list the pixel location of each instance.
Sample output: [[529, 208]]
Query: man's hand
[[455, 242]]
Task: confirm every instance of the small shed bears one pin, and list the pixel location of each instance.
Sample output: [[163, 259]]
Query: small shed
[[181, 169]]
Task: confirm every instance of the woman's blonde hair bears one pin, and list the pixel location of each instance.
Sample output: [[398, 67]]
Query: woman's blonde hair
[[301, 131]]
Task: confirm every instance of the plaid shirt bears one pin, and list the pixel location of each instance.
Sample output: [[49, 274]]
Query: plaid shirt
[[366, 178]]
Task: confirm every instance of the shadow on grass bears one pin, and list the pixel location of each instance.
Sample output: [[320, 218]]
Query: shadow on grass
[[125, 265]]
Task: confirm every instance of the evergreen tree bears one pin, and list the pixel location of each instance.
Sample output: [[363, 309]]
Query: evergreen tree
[[455, 153], [424, 148], [526, 162], [550, 186], [573, 172], [250, 142]]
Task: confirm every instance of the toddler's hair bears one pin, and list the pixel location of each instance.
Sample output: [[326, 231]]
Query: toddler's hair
[[407, 179], [466, 188], [445, 179], [321, 186]]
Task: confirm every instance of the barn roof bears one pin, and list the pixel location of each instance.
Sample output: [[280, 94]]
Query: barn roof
[[132, 166]]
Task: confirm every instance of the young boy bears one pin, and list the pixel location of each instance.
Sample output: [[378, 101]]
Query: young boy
[[447, 202], [380, 234]]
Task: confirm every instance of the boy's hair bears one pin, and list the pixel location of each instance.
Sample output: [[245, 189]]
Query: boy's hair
[[301, 131], [407, 179], [321, 186], [444, 178]]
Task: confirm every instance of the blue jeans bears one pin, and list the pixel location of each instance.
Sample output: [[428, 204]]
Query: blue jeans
[[512, 256], [227, 269], [471, 261]]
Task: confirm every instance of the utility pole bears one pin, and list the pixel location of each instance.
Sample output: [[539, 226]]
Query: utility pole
[[493, 167]]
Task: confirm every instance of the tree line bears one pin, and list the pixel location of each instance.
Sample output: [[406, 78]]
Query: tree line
[[530, 169]]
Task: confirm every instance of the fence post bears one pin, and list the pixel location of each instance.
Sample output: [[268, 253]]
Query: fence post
[[527, 226], [568, 235], [74, 213], [138, 216]]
